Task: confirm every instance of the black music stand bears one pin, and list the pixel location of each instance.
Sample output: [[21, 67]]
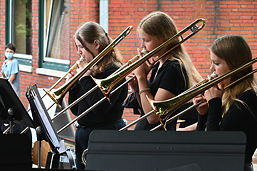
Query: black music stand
[[12, 110], [165, 151], [15, 149], [43, 123]]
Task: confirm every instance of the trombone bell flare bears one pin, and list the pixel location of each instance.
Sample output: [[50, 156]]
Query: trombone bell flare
[[104, 85], [55, 95], [107, 84], [161, 107]]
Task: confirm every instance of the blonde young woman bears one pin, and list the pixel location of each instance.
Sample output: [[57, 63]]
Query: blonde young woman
[[170, 76], [233, 109], [90, 39]]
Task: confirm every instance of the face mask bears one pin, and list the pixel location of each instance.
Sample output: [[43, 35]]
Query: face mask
[[8, 55]]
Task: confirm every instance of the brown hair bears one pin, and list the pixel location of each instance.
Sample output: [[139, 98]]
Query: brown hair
[[91, 31], [236, 52], [161, 25], [11, 46]]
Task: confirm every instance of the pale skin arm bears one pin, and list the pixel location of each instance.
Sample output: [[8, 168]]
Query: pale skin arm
[[162, 94], [188, 128], [12, 78]]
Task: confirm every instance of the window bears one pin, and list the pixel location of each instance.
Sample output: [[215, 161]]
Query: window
[[54, 34], [18, 28]]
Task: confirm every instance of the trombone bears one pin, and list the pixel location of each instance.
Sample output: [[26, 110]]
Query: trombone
[[197, 104], [164, 108], [107, 84], [57, 94]]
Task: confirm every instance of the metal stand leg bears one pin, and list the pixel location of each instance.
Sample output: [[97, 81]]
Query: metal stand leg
[[11, 117], [38, 131], [39, 154]]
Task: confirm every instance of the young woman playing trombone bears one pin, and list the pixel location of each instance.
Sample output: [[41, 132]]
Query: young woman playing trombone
[[90, 39], [171, 75], [233, 108]]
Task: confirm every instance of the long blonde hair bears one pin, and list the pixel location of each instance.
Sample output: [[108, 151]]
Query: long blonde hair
[[91, 31], [236, 52], [161, 25]]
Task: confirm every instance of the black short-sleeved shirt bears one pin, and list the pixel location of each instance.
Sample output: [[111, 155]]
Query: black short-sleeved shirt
[[172, 77], [106, 112], [239, 117]]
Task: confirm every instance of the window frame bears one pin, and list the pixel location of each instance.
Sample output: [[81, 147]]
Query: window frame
[[24, 59], [44, 61]]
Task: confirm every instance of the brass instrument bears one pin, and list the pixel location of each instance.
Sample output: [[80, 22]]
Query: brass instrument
[[197, 104], [58, 94], [91, 90], [164, 108], [108, 83]]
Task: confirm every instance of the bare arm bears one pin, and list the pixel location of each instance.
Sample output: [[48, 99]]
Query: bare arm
[[188, 128], [161, 94], [12, 78]]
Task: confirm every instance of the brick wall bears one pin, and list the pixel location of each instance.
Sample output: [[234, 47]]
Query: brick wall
[[222, 17]]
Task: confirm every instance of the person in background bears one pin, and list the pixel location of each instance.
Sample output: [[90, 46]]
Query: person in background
[[90, 39], [170, 76], [10, 68], [233, 108]]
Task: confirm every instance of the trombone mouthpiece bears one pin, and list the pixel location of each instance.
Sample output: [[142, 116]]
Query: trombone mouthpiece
[[81, 58], [144, 51], [213, 75]]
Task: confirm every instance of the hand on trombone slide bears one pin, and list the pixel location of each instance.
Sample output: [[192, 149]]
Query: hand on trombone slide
[[203, 107], [133, 84], [213, 92]]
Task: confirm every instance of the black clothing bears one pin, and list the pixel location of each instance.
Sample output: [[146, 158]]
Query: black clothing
[[106, 112], [107, 115], [239, 117], [172, 77], [82, 137], [248, 167]]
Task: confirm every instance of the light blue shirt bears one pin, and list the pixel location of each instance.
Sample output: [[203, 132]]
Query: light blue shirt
[[9, 68]]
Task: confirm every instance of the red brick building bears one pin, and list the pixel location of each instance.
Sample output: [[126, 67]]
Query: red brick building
[[43, 30]]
